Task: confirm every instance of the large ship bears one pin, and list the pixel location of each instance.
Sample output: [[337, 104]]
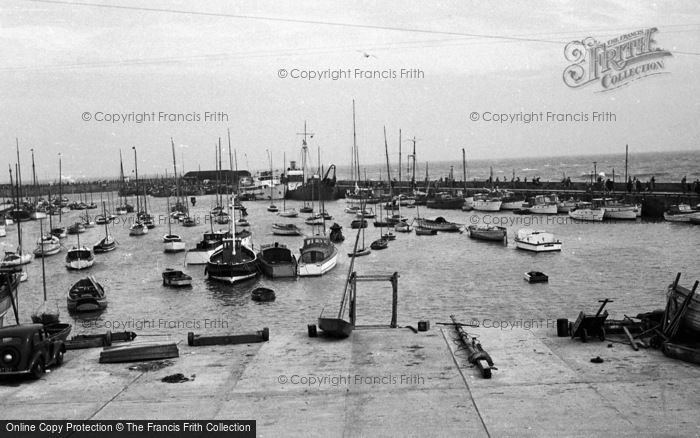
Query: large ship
[[303, 185]]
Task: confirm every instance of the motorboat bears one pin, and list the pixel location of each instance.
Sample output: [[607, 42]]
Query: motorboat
[[205, 248], [486, 202], [277, 260], [586, 211], [544, 205], [679, 213], [437, 224], [536, 240], [318, 255], [620, 210]]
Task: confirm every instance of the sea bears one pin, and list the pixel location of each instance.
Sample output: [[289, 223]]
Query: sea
[[667, 167], [631, 263]]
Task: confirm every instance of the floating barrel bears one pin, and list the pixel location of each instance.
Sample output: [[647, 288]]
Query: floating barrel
[[423, 326]]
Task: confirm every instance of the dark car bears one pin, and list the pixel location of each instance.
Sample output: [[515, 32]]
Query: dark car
[[29, 349]]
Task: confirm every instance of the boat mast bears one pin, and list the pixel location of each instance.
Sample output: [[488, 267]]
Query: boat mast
[[60, 190], [304, 151], [399, 161], [36, 200], [230, 164], [354, 144], [104, 214], [413, 156], [19, 222], [218, 191], [626, 156], [388, 169], [464, 170], [136, 173], [121, 176], [18, 172], [177, 181]]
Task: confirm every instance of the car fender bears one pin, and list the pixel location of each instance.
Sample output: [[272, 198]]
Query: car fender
[[37, 356]]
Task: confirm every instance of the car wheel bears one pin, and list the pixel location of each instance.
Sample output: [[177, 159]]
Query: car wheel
[[59, 358], [38, 369]]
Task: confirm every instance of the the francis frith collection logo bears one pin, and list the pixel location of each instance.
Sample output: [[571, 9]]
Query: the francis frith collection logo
[[616, 62]]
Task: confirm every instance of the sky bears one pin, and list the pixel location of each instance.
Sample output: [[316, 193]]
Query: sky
[[68, 66]]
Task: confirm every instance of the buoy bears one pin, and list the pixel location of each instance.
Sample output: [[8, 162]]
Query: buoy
[[423, 326]]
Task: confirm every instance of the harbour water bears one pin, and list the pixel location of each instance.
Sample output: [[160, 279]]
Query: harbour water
[[629, 262]]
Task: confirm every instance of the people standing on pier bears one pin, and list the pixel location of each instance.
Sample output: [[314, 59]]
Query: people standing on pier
[[683, 186], [653, 183], [637, 185], [629, 185]]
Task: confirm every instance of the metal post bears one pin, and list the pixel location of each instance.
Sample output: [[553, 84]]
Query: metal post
[[394, 298]]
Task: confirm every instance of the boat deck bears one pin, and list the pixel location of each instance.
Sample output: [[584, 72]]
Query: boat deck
[[384, 382]]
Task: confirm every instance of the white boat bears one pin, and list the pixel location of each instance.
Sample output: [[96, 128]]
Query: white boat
[[138, 229], [47, 245], [352, 209], [679, 213], [544, 205], [510, 201], [173, 243], [586, 211], [79, 258], [620, 211], [15, 259], [286, 230], [566, 206], [318, 256], [486, 203], [205, 248], [536, 240], [289, 213]]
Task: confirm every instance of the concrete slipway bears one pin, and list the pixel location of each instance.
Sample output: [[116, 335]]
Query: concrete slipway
[[385, 382]]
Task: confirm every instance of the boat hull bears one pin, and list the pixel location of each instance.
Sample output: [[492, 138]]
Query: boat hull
[[174, 246], [335, 327], [588, 214], [537, 247], [495, 235], [318, 269]]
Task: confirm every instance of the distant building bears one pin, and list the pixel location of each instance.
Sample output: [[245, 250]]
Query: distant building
[[212, 175]]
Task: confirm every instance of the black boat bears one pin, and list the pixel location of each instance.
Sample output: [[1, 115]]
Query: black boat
[[336, 235], [263, 294], [536, 277], [87, 295], [379, 244], [232, 262]]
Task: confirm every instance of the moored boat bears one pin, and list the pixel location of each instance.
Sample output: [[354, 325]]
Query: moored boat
[[318, 256], [262, 294], [175, 278], [485, 202], [277, 261], [620, 210], [544, 205], [488, 232], [11, 259], [586, 211], [87, 295], [679, 213], [286, 229], [47, 245], [420, 231], [379, 244], [437, 224], [233, 262], [536, 277], [205, 248], [536, 240], [336, 233], [138, 229], [79, 257]]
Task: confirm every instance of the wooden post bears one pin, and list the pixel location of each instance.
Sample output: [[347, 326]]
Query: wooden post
[[394, 298]]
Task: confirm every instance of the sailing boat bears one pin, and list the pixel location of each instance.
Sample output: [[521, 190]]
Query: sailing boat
[[48, 244], [39, 212], [221, 216], [43, 315], [272, 207], [172, 242], [138, 228], [107, 243], [79, 257], [232, 262], [124, 207], [339, 327], [291, 212], [363, 250], [59, 232], [382, 242], [18, 258]]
